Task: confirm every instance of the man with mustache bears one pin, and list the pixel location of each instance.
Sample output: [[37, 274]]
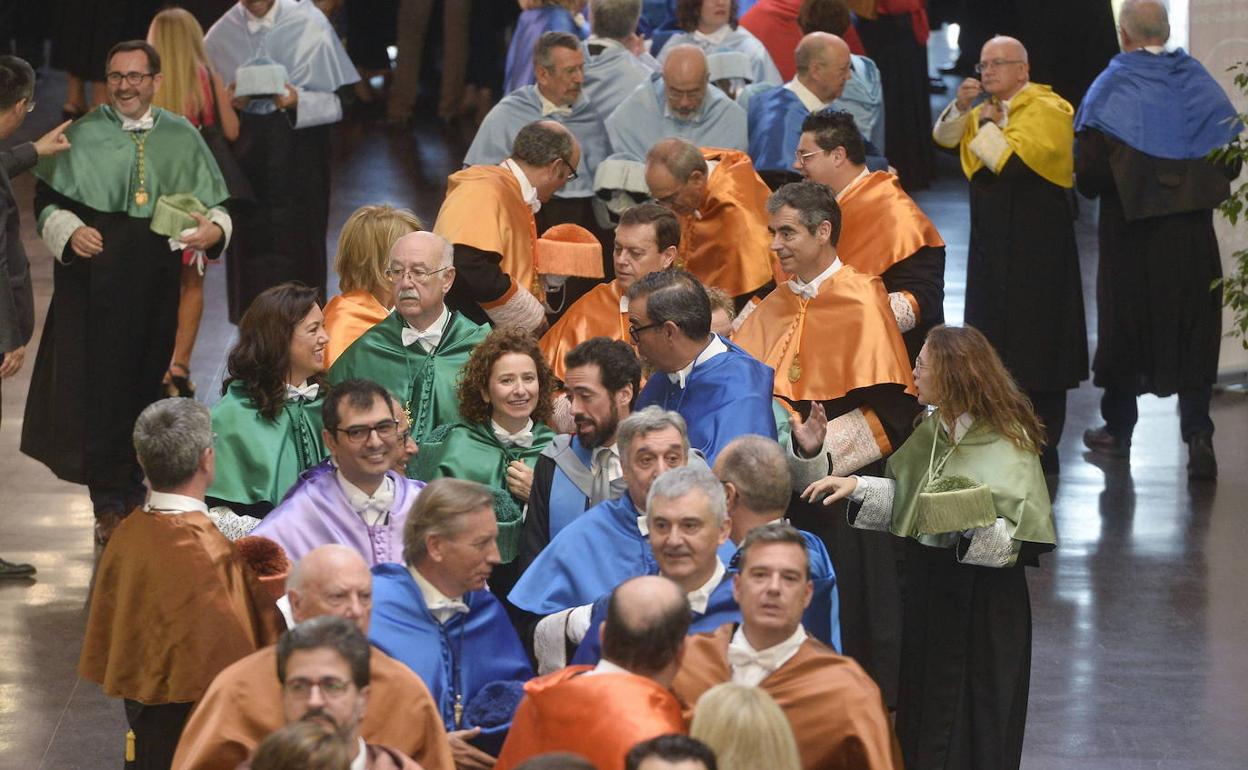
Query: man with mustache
[[417, 352], [323, 665]]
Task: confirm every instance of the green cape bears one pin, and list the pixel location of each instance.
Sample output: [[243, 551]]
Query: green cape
[[1013, 474], [424, 382], [176, 161], [259, 460], [472, 452]]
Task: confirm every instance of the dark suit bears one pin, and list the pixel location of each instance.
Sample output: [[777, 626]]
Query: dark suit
[[17, 302]]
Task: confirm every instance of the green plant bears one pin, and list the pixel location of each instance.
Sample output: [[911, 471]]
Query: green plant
[[1235, 285]]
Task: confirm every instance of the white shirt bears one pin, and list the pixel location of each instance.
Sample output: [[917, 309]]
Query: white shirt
[[142, 123], [750, 666], [805, 95], [1156, 50], [361, 758], [441, 606], [374, 509], [701, 596], [605, 666], [714, 38], [428, 337], [712, 349], [550, 108], [611, 456], [960, 426], [166, 502], [522, 437], [623, 303], [854, 182], [527, 190], [811, 290], [257, 23]]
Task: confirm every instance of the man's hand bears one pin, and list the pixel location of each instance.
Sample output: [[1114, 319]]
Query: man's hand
[[53, 142], [237, 102], [519, 480], [968, 91], [206, 235], [13, 361], [467, 756], [86, 242], [991, 111], [289, 100], [810, 435]]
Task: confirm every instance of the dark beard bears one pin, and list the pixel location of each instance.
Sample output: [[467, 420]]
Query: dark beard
[[603, 432]]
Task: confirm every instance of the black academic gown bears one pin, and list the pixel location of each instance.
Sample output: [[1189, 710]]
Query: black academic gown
[[867, 564], [891, 44], [1159, 327]]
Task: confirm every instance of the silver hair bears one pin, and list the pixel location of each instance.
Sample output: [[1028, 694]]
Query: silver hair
[[448, 252], [1146, 21], [169, 437], [646, 421], [679, 482], [614, 19]]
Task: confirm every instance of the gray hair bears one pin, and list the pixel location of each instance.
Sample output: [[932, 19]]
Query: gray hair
[[1145, 21], [540, 143], [679, 157], [646, 421], [448, 252], [679, 482], [169, 437], [542, 56], [815, 203], [438, 510], [758, 468], [614, 19]]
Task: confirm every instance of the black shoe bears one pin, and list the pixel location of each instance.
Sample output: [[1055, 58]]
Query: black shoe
[[1202, 465], [1101, 440], [15, 571]]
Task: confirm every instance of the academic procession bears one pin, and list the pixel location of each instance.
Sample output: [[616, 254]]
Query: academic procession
[[617, 385]]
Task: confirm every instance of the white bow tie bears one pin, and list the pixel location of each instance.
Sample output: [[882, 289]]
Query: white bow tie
[[453, 606], [254, 25], [307, 392], [144, 123], [550, 108], [739, 656], [412, 336], [522, 438], [804, 290]]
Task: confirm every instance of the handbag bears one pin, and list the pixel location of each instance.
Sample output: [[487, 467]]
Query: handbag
[[951, 503]]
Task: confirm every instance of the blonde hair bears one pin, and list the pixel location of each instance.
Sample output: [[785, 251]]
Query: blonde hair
[[745, 728], [720, 300], [364, 245], [178, 38]]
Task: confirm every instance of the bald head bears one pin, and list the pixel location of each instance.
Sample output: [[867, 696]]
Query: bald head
[[676, 174], [1003, 67], [685, 78], [647, 620], [1143, 23], [823, 64], [429, 245], [331, 580]]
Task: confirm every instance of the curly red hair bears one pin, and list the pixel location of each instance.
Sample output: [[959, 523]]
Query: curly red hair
[[475, 376]]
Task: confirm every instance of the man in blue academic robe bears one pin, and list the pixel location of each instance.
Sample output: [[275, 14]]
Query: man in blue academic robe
[[720, 390], [615, 58], [434, 613]]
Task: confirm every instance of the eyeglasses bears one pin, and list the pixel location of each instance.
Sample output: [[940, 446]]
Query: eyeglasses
[[995, 64], [133, 78], [572, 175], [635, 331], [802, 156], [358, 434], [330, 687], [419, 276]]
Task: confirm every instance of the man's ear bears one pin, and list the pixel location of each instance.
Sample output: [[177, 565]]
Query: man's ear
[[668, 256]]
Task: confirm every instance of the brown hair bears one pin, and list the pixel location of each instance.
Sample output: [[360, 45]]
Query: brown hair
[[475, 376], [824, 16], [364, 245], [437, 511], [720, 300], [304, 746], [689, 11], [969, 378], [261, 357]]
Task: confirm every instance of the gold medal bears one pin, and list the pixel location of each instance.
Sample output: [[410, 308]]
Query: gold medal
[[795, 369], [140, 198]]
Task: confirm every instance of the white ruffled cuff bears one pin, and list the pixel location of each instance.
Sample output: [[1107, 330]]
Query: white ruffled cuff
[[58, 228], [990, 146]]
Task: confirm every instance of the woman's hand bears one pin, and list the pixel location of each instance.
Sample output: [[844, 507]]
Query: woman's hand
[[810, 435], [519, 480], [835, 487]]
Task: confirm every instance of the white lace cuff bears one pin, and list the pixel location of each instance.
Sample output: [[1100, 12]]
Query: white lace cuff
[[58, 228], [553, 632], [903, 311], [221, 218], [522, 310], [874, 496], [851, 443], [990, 145], [988, 546]]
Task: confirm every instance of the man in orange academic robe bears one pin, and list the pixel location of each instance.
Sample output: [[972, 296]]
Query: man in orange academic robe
[[244, 703], [646, 239], [602, 711], [720, 201], [883, 231], [173, 602], [835, 710], [840, 363], [488, 219]]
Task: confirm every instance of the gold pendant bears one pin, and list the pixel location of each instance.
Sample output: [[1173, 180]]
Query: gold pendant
[[795, 369], [140, 198]]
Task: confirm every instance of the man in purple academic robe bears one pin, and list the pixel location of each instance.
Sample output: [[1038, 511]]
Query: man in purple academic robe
[[359, 501]]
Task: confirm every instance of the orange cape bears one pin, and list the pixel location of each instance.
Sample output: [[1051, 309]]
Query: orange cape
[[485, 209], [595, 314], [347, 317], [244, 704], [881, 225], [728, 245], [599, 717], [173, 604], [846, 338], [835, 709]]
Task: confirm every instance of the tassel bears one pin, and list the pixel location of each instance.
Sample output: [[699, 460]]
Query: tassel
[[130, 754]]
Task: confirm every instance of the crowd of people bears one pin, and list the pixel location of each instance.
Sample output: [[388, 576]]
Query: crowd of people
[[654, 451]]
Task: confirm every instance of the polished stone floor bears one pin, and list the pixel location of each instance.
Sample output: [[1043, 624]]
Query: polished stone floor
[[1141, 636]]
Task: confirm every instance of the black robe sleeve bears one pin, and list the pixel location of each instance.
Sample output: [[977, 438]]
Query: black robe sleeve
[[536, 532], [922, 274], [1093, 176], [478, 279]]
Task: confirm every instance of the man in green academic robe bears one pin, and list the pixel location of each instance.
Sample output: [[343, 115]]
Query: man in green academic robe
[[418, 350], [114, 310]]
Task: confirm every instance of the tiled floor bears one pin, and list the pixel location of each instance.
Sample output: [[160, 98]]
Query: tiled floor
[[1141, 637]]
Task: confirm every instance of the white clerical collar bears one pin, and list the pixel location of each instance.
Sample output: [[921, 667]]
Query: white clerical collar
[[623, 302], [142, 123], [811, 290], [441, 606], [854, 182], [522, 437], [167, 502], [807, 97], [605, 666], [712, 349], [701, 596], [361, 758], [550, 108], [716, 37], [257, 23], [374, 509], [527, 190], [751, 666]]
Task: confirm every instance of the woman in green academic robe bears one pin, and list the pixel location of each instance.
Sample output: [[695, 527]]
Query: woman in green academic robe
[[505, 393], [966, 622], [268, 421]]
